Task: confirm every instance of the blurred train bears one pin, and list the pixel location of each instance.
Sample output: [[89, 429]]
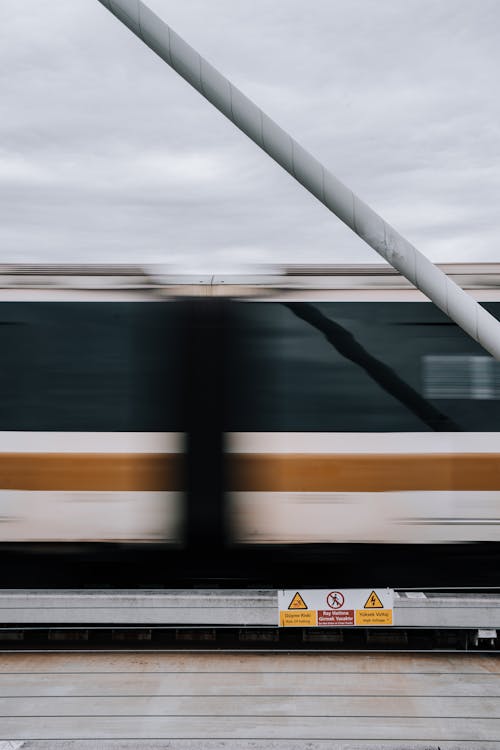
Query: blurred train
[[284, 427]]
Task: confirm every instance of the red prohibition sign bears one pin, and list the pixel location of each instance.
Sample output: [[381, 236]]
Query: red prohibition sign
[[335, 600]]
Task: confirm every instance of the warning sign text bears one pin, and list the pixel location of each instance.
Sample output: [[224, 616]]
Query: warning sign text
[[336, 607]]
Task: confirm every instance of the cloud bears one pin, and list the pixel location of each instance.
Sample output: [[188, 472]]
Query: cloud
[[105, 154]]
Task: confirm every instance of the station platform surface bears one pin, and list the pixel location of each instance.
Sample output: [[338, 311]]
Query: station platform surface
[[249, 701]]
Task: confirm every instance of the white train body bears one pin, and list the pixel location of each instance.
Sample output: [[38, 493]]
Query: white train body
[[358, 413]]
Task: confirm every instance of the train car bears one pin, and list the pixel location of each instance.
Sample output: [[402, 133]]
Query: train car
[[264, 428]]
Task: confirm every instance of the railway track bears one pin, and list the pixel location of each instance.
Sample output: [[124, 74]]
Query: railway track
[[231, 640]]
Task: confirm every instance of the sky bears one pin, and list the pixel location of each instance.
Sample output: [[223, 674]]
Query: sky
[[107, 155]]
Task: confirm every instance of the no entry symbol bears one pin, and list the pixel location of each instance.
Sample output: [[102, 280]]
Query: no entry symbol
[[335, 600]]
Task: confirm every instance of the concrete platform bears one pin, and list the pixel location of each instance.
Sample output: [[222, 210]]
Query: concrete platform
[[250, 701], [231, 608]]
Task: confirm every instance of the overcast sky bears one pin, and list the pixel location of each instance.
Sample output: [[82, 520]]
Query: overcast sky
[[107, 155]]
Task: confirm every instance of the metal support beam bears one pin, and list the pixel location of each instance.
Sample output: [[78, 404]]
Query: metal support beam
[[309, 172]]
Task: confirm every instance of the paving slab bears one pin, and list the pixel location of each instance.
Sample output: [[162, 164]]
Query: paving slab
[[249, 701]]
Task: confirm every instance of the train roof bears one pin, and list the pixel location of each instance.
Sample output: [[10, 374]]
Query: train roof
[[134, 283], [340, 276]]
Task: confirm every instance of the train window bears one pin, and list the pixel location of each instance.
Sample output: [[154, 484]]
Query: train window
[[106, 366], [461, 377], [351, 367]]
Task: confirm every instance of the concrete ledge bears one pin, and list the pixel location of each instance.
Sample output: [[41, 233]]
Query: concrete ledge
[[230, 608]]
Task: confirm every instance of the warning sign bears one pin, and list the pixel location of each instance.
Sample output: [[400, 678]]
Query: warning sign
[[335, 599], [298, 618], [373, 602], [297, 602], [374, 617], [335, 608], [338, 618]]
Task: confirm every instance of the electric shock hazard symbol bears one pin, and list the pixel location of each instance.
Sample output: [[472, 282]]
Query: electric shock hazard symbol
[[335, 608], [374, 612], [373, 602], [297, 602]]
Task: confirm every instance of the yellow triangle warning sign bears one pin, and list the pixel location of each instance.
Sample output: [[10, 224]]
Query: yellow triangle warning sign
[[297, 602], [373, 602]]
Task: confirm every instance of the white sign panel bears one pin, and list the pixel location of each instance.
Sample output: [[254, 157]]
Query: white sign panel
[[335, 607]]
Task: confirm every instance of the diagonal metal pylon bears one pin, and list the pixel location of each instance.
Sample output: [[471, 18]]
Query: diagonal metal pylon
[[309, 172]]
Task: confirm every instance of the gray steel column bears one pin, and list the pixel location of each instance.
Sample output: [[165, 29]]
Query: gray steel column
[[307, 170]]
